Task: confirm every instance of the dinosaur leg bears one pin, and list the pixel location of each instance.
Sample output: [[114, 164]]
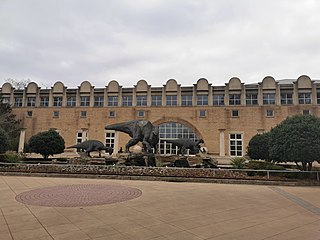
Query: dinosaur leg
[[131, 143], [183, 150], [146, 145]]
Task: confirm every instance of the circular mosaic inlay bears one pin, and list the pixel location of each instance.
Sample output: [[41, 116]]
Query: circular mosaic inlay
[[78, 195]]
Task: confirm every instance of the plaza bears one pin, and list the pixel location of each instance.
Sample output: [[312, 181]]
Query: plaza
[[162, 210]]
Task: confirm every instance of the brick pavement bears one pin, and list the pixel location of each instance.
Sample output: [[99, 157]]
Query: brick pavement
[[164, 210]]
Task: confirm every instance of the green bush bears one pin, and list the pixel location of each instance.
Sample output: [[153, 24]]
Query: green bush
[[46, 143], [263, 165], [4, 144], [238, 162], [11, 157], [258, 147]]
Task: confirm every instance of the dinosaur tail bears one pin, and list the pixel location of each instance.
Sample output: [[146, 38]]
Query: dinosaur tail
[[121, 127]]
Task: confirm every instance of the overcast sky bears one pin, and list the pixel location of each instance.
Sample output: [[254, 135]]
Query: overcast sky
[[155, 40]]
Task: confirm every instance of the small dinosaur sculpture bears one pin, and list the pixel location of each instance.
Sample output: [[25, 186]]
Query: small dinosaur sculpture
[[92, 145], [139, 131], [185, 143]]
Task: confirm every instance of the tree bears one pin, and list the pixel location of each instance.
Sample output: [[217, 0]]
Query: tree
[[296, 139], [10, 125], [3, 141], [46, 143], [258, 147]]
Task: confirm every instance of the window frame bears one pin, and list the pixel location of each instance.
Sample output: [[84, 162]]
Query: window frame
[[126, 100], [141, 100], [202, 100], [236, 144], [171, 100], [234, 99], [304, 100], [113, 101], [84, 101], [218, 100], [269, 98]]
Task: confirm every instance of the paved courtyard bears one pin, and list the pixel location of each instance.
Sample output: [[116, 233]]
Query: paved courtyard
[[154, 210]]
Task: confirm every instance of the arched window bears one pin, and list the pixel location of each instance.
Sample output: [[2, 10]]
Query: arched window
[[173, 130]]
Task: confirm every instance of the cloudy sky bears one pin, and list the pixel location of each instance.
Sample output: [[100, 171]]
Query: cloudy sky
[[155, 40]]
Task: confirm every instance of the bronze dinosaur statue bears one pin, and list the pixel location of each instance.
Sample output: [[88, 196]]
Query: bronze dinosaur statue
[[184, 143], [139, 131], [91, 146]]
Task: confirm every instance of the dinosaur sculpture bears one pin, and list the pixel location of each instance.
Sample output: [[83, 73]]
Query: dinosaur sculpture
[[92, 145], [185, 143], [139, 131]]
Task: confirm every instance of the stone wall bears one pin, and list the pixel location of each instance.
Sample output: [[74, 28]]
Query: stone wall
[[171, 173]]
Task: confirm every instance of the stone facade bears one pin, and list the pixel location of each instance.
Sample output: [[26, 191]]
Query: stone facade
[[225, 117]]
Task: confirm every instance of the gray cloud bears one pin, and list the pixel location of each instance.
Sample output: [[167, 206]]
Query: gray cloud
[[76, 40]]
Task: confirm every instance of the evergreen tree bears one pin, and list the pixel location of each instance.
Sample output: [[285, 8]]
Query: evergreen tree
[[258, 147], [10, 125], [46, 143], [296, 139]]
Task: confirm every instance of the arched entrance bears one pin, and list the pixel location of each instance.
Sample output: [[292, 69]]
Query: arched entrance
[[173, 130]]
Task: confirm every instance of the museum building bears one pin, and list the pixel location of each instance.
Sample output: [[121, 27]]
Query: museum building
[[225, 117]]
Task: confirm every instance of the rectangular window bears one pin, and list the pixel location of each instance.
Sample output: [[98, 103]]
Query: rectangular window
[[202, 100], [56, 114], [126, 101], [202, 113], [171, 100], [156, 100], [186, 100], [44, 101], [81, 137], [31, 102], [218, 99], [18, 101], [236, 145], [142, 100], [29, 113], [85, 101], [269, 98], [98, 101], [111, 114], [83, 114], [141, 114], [251, 99], [306, 112], [304, 98], [286, 98], [235, 113], [71, 101], [270, 113], [318, 97], [113, 101], [57, 101], [234, 99], [110, 137]]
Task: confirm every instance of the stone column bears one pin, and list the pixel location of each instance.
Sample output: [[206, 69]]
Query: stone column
[[21, 140], [222, 152]]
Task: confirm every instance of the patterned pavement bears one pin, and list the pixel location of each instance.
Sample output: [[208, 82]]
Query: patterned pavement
[[78, 195], [154, 210]]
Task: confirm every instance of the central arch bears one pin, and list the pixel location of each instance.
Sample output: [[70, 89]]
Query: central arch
[[170, 129]]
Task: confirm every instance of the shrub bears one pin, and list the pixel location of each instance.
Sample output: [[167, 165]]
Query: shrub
[[11, 157], [258, 147], [263, 165], [3, 141], [238, 162], [46, 143]]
